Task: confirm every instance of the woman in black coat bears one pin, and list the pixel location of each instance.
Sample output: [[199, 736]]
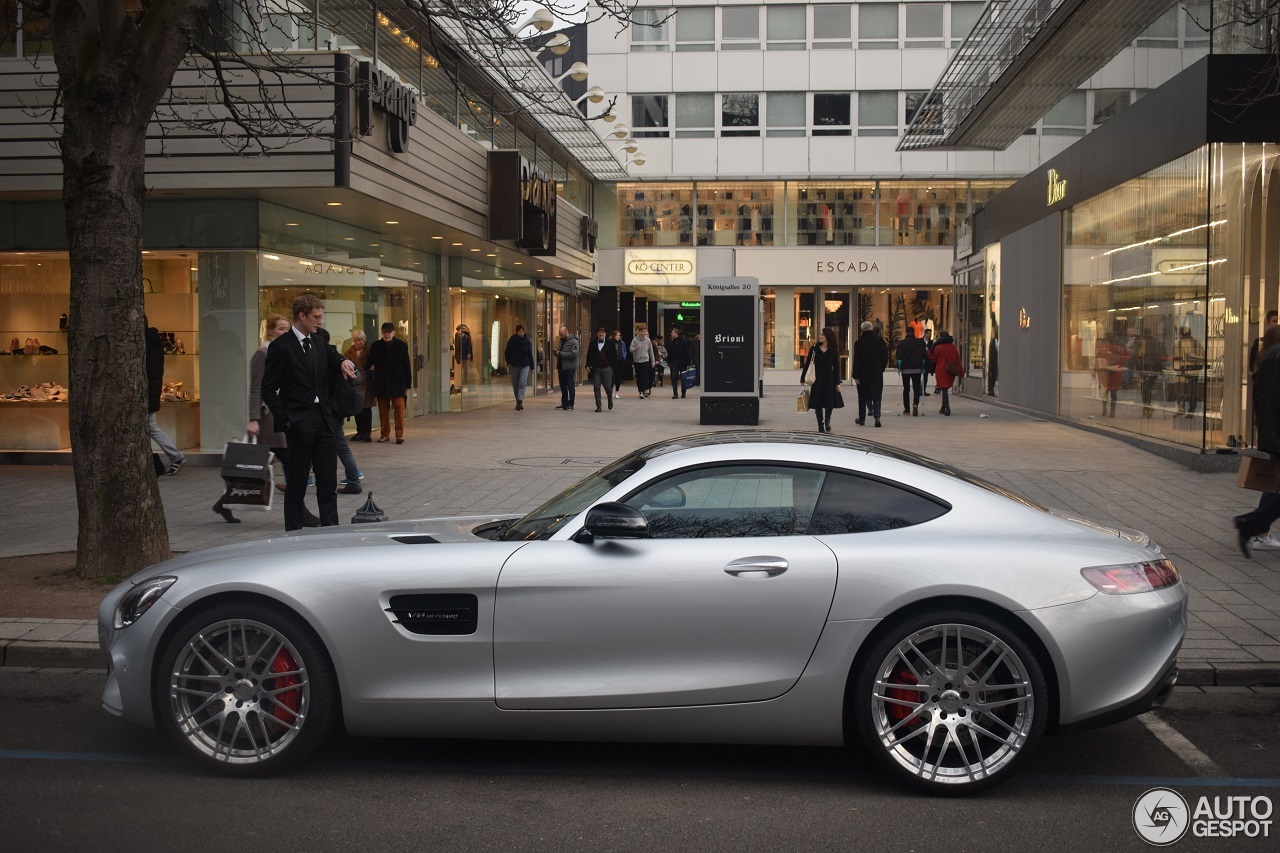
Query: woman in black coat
[[870, 358], [824, 358]]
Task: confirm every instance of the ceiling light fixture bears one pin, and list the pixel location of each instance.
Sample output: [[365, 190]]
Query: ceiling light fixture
[[333, 204], [392, 222]]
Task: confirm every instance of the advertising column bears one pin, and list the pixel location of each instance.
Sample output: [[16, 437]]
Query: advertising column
[[730, 360]]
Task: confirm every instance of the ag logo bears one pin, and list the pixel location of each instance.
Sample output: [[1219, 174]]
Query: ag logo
[[1161, 816]]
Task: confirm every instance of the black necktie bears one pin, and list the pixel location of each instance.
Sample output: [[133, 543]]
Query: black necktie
[[306, 345]]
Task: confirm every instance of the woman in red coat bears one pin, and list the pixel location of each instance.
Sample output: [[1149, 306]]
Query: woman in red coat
[[946, 368]]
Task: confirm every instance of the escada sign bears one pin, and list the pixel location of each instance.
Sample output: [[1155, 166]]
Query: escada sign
[[383, 92], [847, 266]]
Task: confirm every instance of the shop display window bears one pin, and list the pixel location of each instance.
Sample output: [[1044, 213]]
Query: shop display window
[[737, 214], [833, 214], [653, 214], [1143, 332], [920, 213], [35, 303]]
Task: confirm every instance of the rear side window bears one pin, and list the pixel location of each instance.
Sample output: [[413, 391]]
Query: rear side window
[[850, 504]]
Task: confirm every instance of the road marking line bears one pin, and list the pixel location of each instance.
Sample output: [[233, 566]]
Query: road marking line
[[1180, 746]]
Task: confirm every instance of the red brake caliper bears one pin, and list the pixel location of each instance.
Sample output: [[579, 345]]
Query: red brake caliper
[[290, 699], [897, 713]]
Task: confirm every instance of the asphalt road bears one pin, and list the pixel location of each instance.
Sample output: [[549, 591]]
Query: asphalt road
[[74, 778]]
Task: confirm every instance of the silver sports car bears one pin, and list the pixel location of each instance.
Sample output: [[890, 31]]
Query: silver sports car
[[753, 587]]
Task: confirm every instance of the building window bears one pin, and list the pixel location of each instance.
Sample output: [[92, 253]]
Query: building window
[[1067, 118], [696, 29], [740, 28], [786, 27], [740, 115], [913, 103], [877, 113], [784, 113], [649, 116], [695, 116], [964, 16], [924, 25], [832, 114], [878, 26], [650, 30], [831, 28], [1109, 103], [1163, 31], [1195, 24]]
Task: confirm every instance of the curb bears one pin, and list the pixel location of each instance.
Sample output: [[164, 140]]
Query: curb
[[40, 654], [89, 656]]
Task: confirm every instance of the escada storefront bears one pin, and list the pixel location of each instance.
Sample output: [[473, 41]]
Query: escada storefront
[[1127, 278]]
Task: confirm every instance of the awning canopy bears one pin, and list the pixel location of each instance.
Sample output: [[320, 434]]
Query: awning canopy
[[1022, 58]]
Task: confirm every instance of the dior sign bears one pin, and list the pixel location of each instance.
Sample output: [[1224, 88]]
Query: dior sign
[[382, 92], [522, 203]]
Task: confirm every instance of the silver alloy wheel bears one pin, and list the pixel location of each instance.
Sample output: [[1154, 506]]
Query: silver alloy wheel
[[239, 692], [953, 704]]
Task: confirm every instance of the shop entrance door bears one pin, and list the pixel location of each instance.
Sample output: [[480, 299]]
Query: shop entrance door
[[420, 393]]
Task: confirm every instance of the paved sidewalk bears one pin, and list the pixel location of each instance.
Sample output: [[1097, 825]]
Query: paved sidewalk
[[499, 460]]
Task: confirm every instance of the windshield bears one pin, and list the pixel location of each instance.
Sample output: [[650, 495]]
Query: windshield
[[544, 521]]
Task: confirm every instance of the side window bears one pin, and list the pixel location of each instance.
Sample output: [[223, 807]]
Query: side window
[[730, 501], [852, 504]]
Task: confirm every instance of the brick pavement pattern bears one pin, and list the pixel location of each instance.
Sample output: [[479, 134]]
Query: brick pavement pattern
[[497, 460]]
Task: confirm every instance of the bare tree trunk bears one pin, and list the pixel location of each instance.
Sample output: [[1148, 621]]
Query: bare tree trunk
[[122, 523]]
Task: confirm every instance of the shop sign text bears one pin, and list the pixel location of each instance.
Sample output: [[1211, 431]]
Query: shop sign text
[[848, 266], [383, 92], [1057, 188], [660, 267]]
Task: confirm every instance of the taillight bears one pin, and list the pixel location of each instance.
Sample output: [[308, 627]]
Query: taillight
[[1132, 577]]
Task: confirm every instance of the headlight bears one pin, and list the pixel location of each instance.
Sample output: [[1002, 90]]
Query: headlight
[[138, 600], [1132, 577]]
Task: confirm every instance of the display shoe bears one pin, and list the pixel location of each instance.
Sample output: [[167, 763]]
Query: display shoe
[[225, 513]]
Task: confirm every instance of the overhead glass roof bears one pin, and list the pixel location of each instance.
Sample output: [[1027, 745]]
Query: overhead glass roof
[[1022, 58]]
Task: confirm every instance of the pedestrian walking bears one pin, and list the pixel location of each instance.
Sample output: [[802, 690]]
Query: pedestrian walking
[[603, 361], [390, 373], [870, 359], [619, 372], [358, 352], [824, 360], [643, 357], [660, 363], [947, 368], [295, 387], [567, 358], [911, 355], [519, 358], [1253, 528], [155, 384], [351, 475], [463, 354], [929, 343], [259, 425], [679, 356]]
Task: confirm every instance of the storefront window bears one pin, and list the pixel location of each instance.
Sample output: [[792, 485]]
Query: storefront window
[[834, 214], [1143, 340], [652, 214], [484, 314], [737, 214], [920, 213]]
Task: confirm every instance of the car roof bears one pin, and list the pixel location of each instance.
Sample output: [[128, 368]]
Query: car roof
[[766, 436]]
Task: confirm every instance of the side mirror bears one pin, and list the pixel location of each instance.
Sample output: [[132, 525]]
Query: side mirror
[[616, 521]]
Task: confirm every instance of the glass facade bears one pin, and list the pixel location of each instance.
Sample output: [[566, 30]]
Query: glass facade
[[789, 213], [1143, 330]]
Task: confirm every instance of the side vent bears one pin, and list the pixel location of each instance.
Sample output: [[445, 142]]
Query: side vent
[[439, 613], [416, 539]]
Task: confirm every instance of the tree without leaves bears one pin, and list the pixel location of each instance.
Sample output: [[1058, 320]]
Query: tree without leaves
[[115, 62]]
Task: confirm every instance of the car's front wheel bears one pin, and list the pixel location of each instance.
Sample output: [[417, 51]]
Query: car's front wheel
[[245, 688], [951, 701]]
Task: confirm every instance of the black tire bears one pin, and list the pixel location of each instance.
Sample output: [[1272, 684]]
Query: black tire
[[253, 669], [961, 735]]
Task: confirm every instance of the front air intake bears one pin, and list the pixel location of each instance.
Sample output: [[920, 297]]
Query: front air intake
[[416, 539]]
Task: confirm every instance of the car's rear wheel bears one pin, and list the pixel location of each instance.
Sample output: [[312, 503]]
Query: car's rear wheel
[[950, 701], [245, 688]]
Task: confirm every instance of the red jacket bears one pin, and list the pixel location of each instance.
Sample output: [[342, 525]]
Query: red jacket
[[944, 353]]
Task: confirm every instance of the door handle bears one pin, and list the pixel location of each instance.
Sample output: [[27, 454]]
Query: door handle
[[756, 567]]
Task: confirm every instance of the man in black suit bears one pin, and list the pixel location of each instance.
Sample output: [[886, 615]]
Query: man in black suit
[[295, 388]]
